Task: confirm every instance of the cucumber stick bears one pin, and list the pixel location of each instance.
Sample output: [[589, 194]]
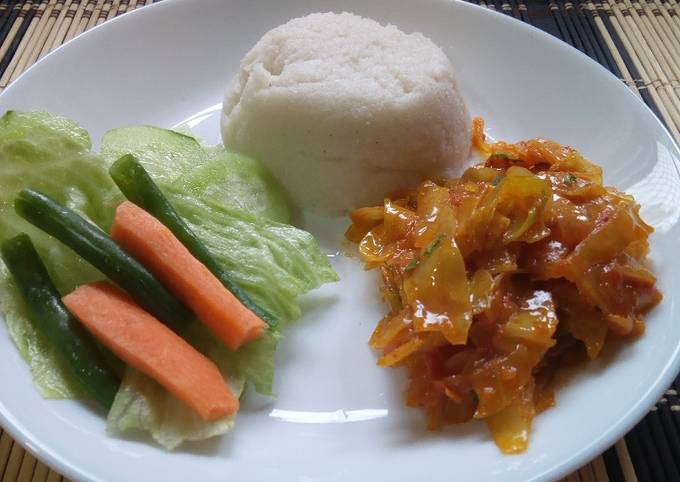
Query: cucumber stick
[[72, 343]]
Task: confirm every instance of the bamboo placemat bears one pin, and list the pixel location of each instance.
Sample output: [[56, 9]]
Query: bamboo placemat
[[638, 41]]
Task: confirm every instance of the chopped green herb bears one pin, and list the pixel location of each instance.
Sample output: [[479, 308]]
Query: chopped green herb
[[414, 262], [569, 179], [496, 180], [434, 244], [501, 156]]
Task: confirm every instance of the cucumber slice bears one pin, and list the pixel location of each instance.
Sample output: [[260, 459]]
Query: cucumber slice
[[233, 180], [164, 153], [237, 182]]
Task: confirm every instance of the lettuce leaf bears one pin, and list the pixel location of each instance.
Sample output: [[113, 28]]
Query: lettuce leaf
[[254, 362], [275, 263], [142, 405]]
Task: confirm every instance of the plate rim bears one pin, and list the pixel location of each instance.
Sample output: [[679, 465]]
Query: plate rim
[[633, 415]]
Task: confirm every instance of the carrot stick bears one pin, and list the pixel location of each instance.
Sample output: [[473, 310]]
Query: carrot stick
[[148, 345], [154, 245]]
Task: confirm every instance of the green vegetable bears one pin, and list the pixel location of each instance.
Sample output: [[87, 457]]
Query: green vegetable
[[138, 187], [275, 263], [569, 179], [272, 262], [101, 251], [51, 154], [73, 344], [412, 264], [164, 153], [254, 361], [238, 182], [230, 179], [433, 245]]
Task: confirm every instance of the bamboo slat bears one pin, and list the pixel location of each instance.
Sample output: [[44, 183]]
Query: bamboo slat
[[96, 12], [626, 463], [27, 468], [115, 5], [16, 25], [43, 30], [40, 473], [600, 470], [616, 55], [78, 13], [22, 51], [629, 34]]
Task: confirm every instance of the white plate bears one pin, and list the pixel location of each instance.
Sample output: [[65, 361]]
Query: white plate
[[338, 416]]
